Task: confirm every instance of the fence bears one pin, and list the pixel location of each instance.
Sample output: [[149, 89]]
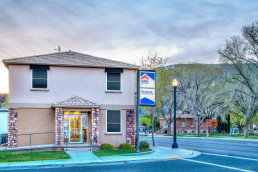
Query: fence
[[4, 138]]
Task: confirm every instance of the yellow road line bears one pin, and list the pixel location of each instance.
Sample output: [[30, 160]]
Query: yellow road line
[[174, 156]]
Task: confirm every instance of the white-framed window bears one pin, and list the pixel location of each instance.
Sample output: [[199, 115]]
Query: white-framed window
[[113, 81], [113, 121], [39, 79], [191, 124], [182, 124]]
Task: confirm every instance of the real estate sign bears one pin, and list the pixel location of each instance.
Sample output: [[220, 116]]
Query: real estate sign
[[211, 123], [147, 88]]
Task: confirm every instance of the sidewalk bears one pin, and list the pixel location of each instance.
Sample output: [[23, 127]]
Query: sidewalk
[[82, 157], [221, 138]]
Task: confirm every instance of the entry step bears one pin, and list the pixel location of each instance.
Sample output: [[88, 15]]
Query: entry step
[[78, 149]]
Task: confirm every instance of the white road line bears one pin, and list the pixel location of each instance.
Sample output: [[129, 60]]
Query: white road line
[[223, 166], [231, 156]]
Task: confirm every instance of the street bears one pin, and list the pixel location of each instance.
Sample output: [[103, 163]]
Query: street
[[217, 155], [226, 147]]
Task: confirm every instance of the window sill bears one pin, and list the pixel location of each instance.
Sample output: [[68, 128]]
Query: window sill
[[118, 133], [38, 89], [113, 91]]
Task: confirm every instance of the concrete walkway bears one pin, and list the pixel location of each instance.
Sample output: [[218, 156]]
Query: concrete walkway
[[83, 157], [219, 137]]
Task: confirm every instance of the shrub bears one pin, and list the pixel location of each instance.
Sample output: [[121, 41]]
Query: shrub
[[106, 146], [125, 146], [144, 145]]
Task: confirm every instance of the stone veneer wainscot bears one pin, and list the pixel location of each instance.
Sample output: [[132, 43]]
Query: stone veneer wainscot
[[130, 124]]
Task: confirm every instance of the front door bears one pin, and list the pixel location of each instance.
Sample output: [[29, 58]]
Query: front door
[[75, 128]]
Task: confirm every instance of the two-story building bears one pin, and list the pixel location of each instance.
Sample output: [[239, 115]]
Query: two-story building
[[72, 95], [184, 124]]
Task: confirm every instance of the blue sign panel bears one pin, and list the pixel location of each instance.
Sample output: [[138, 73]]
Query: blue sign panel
[[147, 88]]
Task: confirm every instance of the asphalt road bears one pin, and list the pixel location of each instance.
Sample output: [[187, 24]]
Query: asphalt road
[[226, 147], [217, 155]]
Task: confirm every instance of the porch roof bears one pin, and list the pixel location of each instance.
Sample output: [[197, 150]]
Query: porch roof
[[76, 102]]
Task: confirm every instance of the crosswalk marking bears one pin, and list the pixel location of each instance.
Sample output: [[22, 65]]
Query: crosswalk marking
[[230, 156], [223, 166]]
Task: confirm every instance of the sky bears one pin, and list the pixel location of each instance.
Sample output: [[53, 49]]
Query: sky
[[183, 31]]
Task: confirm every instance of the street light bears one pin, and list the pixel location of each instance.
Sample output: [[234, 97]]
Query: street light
[[174, 84]]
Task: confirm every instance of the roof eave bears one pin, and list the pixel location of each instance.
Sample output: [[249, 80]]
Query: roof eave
[[71, 65], [76, 106]]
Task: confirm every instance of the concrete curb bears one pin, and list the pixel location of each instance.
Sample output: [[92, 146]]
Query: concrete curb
[[84, 164], [191, 155], [251, 140], [140, 153]]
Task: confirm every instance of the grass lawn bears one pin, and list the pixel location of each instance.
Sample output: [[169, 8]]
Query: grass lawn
[[8, 156], [237, 136], [117, 152]]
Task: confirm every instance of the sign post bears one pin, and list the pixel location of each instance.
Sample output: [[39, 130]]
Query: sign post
[[146, 93]]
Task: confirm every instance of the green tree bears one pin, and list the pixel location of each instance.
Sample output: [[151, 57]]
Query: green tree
[[6, 102], [145, 121]]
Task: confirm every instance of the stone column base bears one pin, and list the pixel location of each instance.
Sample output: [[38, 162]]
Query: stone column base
[[95, 126], [59, 114], [12, 127]]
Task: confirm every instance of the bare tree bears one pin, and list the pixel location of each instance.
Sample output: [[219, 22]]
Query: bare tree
[[166, 108], [241, 53], [198, 84], [152, 61]]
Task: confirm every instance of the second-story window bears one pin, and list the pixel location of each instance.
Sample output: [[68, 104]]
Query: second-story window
[[39, 78], [113, 81]]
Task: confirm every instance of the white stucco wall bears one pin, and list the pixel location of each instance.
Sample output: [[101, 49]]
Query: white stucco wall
[[64, 82], [114, 139]]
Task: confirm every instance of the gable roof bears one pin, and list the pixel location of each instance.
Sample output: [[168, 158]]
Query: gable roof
[[180, 115], [69, 58], [76, 101]]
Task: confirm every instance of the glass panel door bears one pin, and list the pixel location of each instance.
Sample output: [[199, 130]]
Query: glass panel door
[[75, 129], [85, 127]]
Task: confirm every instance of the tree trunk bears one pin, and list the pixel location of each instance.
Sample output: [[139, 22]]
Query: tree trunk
[[152, 120], [246, 129], [239, 127], [251, 128], [169, 127], [196, 131]]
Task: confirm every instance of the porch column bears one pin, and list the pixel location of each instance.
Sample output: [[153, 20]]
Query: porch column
[[59, 114], [12, 127], [130, 126], [95, 126]]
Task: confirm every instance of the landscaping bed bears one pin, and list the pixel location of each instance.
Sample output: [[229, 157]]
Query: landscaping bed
[[118, 152], [8, 156]]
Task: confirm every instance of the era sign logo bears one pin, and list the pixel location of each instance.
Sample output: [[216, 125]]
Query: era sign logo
[[145, 79]]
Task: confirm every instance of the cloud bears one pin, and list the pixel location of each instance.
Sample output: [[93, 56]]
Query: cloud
[[182, 30], [35, 27]]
